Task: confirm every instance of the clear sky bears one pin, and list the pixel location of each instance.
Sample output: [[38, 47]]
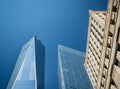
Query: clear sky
[[56, 21]]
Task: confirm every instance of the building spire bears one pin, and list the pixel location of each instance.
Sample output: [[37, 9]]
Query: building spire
[[36, 34]]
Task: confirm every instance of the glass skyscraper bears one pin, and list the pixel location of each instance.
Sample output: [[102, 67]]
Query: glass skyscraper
[[71, 72], [29, 70]]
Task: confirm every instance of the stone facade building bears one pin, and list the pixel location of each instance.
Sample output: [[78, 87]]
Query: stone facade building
[[102, 61]]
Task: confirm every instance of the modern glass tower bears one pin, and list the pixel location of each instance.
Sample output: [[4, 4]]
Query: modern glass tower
[[71, 72], [29, 70]]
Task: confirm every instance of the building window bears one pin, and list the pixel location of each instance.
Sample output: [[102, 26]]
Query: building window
[[99, 26], [114, 8], [112, 22], [113, 83], [117, 63], [96, 23], [102, 29], [92, 18]]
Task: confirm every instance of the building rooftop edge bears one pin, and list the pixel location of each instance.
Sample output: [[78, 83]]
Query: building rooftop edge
[[70, 50]]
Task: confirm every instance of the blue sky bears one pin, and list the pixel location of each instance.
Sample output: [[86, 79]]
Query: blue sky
[[56, 21]]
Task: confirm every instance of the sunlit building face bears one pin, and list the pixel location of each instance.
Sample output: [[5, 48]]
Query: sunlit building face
[[29, 70]]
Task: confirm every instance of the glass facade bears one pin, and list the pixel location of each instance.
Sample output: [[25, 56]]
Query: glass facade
[[71, 72], [29, 69]]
